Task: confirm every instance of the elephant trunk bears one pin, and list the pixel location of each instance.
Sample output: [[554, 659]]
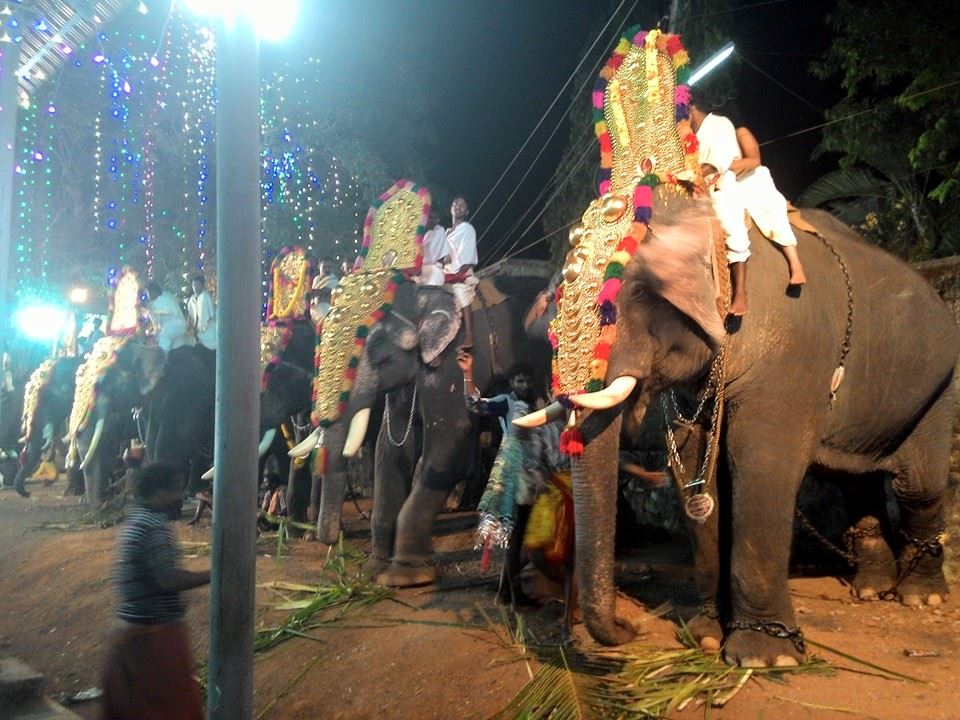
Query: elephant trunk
[[595, 503], [333, 487]]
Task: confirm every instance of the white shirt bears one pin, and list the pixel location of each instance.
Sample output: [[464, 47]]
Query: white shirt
[[203, 319], [434, 245], [718, 142], [461, 247], [171, 328]]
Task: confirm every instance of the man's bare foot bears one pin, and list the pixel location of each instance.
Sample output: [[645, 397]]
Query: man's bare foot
[[738, 306], [797, 276]]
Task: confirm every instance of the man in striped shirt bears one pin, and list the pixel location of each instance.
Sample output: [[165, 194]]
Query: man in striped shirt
[[149, 666]]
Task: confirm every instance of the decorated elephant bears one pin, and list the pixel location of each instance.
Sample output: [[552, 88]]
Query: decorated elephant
[[853, 372], [387, 338], [118, 374], [48, 397]]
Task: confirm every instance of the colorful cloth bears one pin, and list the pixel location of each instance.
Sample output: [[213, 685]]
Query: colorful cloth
[[148, 675]]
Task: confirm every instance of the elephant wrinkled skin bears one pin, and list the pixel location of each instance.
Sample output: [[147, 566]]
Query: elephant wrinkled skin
[[892, 412]]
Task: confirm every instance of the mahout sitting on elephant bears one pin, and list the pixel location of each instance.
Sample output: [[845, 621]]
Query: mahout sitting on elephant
[[854, 373], [389, 339]]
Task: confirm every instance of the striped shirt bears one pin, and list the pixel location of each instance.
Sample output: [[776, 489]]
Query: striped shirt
[[147, 552]]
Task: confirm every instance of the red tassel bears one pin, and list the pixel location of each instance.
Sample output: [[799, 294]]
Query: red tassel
[[571, 441], [487, 554]]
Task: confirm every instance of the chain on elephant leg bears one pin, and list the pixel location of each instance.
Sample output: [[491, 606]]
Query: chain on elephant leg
[[705, 628], [755, 644], [920, 577], [869, 552]]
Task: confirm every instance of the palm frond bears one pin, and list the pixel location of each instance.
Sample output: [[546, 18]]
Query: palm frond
[[845, 185]]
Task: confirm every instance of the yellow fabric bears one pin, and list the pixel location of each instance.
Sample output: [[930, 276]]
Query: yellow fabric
[[550, 527]]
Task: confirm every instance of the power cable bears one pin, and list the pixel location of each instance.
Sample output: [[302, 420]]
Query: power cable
[[728, 11], [783, 87], [526, 142], [589, 77], [858, 113]]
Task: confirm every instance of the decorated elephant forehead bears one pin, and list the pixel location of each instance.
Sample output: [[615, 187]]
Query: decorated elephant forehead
[[125, 314], [274, 340], [394, 227], [604, 225], [91, 371], [639, 107], [289, 282], [360, 301], [39, 379]]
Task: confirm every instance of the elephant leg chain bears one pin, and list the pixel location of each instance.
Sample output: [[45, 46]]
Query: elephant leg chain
[[386, 420], [922, 548], [849, 537], [773, 629]]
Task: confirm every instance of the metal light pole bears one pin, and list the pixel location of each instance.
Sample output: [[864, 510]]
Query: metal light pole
[[233, 567], [9, 56]]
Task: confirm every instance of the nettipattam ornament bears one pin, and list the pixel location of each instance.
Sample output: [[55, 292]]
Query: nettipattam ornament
[[39, 378]]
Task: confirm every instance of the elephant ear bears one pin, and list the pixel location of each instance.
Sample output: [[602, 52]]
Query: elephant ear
[[439, 322], [677, 260]]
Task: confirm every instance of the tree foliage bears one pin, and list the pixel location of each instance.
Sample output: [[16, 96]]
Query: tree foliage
[[897, 124]]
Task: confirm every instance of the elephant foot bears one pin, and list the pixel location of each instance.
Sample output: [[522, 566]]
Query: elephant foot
[[403, 574], [705, 628], [920, 567], [876, 566], [23, 493], [374, 567], [759, 645]]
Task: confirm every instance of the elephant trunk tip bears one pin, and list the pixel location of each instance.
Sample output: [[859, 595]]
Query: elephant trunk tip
[[611, 631]]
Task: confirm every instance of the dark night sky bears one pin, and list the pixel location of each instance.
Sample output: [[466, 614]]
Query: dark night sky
[[489, 69]]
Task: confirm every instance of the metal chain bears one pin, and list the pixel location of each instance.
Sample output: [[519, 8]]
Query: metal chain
[[923, 547], [386, 419], [298, 427], [773, 629], [848, 555], [845, 345], [716, 383]]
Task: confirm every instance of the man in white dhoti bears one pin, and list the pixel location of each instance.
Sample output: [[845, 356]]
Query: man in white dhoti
[[461, 261], [434, 251], [763, 201], [170, 327], [718, 150], [202, 315]]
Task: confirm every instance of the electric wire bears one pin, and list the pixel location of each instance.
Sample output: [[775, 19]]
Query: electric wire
[[779, 84], [505, 238], [875, 108], [526, 142]]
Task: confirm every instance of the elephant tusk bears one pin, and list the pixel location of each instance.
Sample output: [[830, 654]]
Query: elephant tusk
[[266, 442], [208, 475], [71, 458], [92, 450], [356, 433], [551, 412], [611, 396], [307, 445]]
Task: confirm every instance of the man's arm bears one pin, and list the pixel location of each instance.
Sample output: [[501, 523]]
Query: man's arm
[[749, 149]]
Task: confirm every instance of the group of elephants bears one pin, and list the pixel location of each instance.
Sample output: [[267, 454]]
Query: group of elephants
[[892, 411]]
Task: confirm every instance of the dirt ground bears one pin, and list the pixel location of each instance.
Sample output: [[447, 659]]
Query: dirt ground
[[445, 652]]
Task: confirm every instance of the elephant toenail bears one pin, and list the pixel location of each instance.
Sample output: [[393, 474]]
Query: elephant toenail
[[711, 644], [785, 661], [934, 599]]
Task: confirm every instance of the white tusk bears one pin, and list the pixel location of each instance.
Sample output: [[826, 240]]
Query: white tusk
[[551, 412], [208, 475], [307, 445], [265, 443], [611, 396], [356, 433], [92, 450], [71, 459]]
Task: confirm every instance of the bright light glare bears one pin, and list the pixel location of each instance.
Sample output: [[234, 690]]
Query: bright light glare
[[78, 295], [272, 19], [717, 58], [40, 322]]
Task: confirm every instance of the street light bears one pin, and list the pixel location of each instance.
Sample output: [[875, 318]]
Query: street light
[[273, 20], [718, 57], [78, 295], [42, 321]]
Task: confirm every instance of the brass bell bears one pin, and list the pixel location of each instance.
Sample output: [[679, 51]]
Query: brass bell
[[612, 207], [576, 234]]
